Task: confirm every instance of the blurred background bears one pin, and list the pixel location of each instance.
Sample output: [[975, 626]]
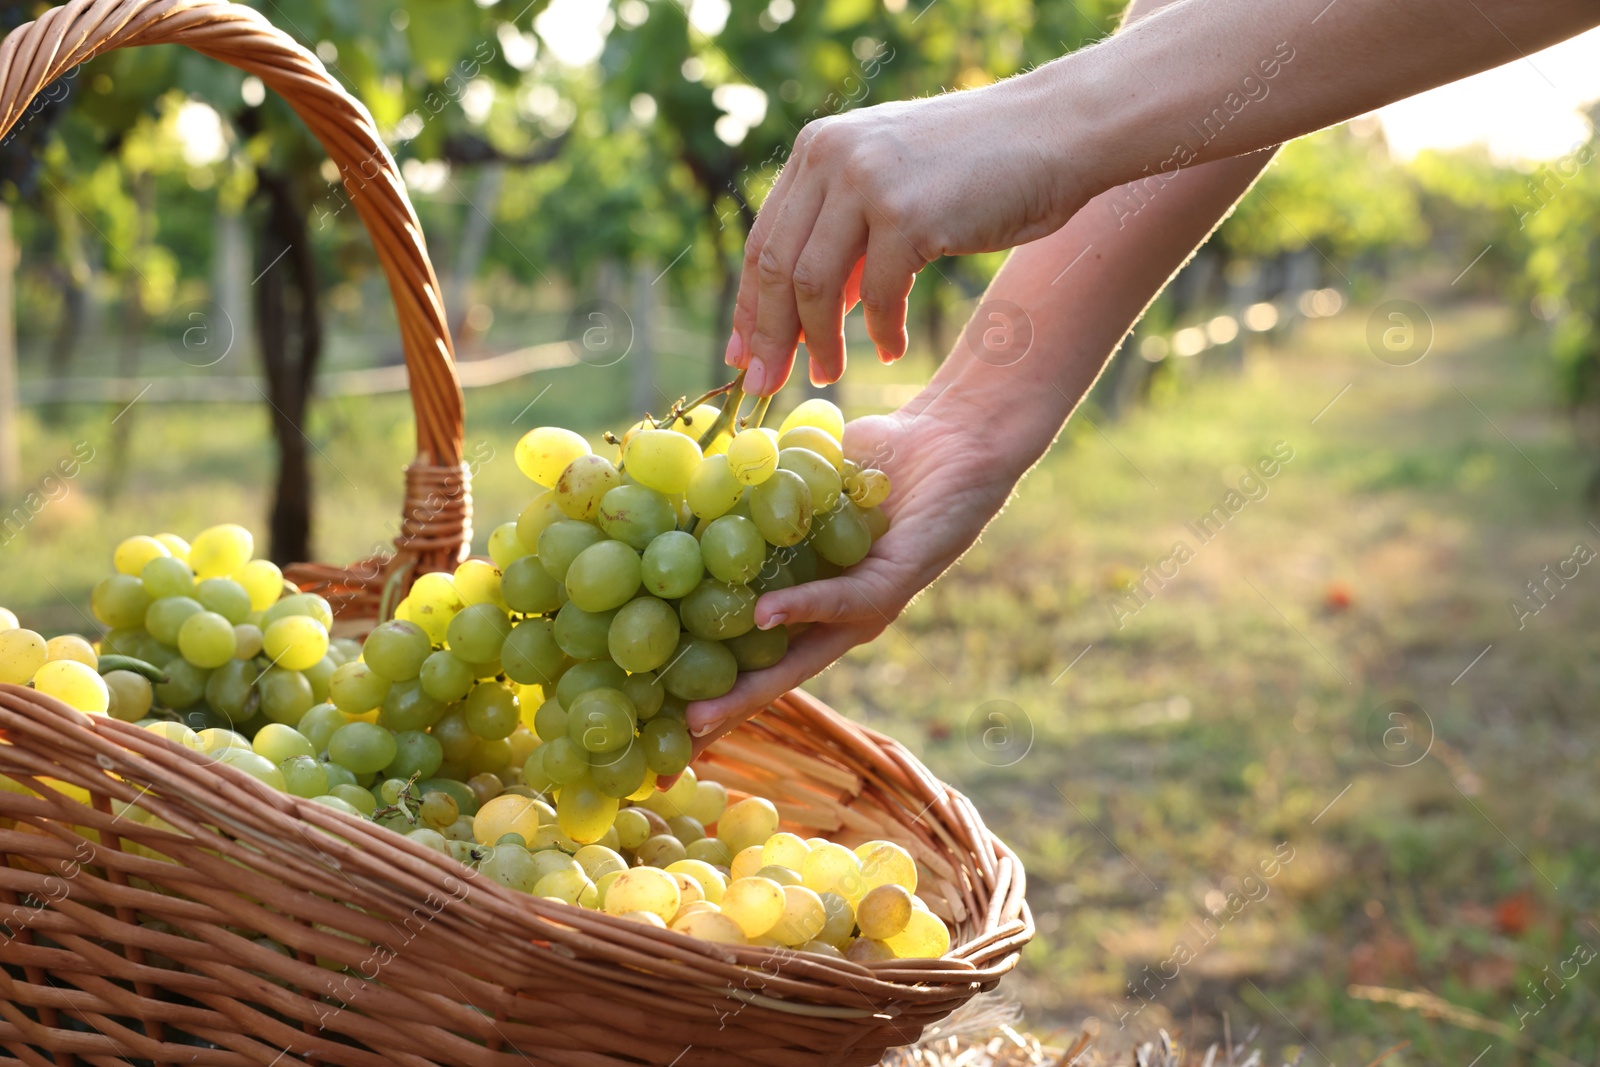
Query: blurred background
[[1331, 777]]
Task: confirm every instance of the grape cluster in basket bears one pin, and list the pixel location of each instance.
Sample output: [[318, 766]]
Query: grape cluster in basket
[[516, 714]]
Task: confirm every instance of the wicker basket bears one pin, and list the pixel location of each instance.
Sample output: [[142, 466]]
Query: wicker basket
[[242, 925], [435, 524], [160, 940]]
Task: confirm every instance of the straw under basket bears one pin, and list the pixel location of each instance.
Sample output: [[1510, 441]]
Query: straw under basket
[[221, 922]]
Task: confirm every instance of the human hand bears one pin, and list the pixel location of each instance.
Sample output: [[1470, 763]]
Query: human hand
[[946, 486], [870, 197]]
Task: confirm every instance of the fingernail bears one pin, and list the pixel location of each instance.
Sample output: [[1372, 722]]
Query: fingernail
[[705, 727], [735, 351], [776, 619], [755, 377]]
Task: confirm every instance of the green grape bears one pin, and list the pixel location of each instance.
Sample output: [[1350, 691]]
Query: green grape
[[710, 800], [699, 669], [661, 460], [841, 536], [713, 489], [478, 632], [185, 684], [598, 861], [672, 565], [582, 677], [540, 513], [529, 588], [866, 488], [732, 548], [636, 514], [395, 650], [295, 643], [581, 485], [841, 921], [22, 653], [667, 746], [601, 720], [646, 889], [924, 937], [756, 650], [338, 804], [246, 641], [436, 590], [646, 692], [432, 840], [510, 866], [307, 604], [121, 602], [477, 582], [490, 756], [231, 690], [416, 753], [455, 736], [823, 444], [165, 576], [802, 562], [362, 747], [285, 695], [492, 711], [642, 635], [357, 798], [505, 547], [466, 803], [221, 550], [75, 684], [357, 688], [263, 582], [774, 575], [755, 903], [817, 412], [319, 723], [408, 707], [884, 912], [278, 742], [224, 596], [132, 554], [781, 508], [565, 761], [131, 695], [531, 654], [320, 674], [603, 576], [583, 812], [749, 822], [166, 617], [562, 541], [633, 829], [337, 773], [582, 634], [752, 457], [543, 453], [550, 721], [617, 774], [258, 767], [303, 776], [661, 850], [390, 791], [820, 476], [717, 610], [445, 677]]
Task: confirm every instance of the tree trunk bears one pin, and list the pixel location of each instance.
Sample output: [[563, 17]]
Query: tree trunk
[[289, 331], [133, 327], [10, 434], [470, 249]]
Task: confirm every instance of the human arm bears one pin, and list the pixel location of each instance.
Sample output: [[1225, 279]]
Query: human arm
[[878, 193], [957, 450]]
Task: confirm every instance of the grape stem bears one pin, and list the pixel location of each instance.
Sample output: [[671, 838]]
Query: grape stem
[[732, 399]]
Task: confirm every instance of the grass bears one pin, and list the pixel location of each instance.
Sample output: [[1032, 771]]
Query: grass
[[1218, 770]]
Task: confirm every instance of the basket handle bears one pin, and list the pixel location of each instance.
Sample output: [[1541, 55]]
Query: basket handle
[[435, 526]]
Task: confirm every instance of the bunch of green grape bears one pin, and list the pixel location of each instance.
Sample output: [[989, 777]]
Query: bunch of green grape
[[632, 584]]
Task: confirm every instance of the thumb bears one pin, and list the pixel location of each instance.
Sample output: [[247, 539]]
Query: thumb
[[847, 598]]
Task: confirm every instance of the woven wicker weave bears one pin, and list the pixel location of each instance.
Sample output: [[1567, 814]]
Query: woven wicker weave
[[435, 525], [241, 925], [114, 954]]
